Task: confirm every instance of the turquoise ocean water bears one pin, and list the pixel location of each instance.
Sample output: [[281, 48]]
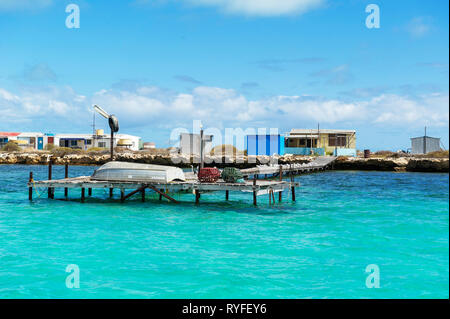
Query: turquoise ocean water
[[317, 247]]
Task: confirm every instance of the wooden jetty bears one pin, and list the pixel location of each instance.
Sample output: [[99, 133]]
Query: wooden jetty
[[257, 187], [319, 164]]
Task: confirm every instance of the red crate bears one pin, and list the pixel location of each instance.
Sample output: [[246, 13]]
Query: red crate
[[208, 175]]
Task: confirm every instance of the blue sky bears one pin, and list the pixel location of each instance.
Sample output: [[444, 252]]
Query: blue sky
[[159, 65]]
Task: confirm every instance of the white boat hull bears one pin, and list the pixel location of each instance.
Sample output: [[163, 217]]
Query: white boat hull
[[125, 171]]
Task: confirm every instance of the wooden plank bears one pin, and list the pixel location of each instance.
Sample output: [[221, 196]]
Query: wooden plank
[[162, 194], [249, 186], [140, 189]]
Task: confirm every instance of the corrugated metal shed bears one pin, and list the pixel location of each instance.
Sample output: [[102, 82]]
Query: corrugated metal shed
[[425, 144]]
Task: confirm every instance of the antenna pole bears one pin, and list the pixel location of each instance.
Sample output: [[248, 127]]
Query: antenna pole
[[112, 145]]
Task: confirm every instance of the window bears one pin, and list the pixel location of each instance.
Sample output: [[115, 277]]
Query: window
[[73, 143], [102, 144], [88, 142], [337, 140]]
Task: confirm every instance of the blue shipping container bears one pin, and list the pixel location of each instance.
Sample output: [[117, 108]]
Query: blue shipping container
[[265, 144]]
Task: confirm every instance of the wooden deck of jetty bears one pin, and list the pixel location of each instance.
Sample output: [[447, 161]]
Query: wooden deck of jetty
[[255, 186], [319, 164]]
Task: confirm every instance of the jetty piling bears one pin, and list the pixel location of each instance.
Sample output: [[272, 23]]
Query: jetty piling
[[254, 190], [66, 175], [30, 189], [197, 197], [281, 179], [50, 189]]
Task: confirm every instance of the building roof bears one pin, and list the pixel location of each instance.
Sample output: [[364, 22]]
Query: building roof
[[89, 136], [428, 137], [7, 134], [303, 136], [267, 134], [323, 131], [29, 134]]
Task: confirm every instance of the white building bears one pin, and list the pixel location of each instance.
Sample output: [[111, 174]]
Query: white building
[[86, 141], [35, 140], [149, 145], [38, 140]]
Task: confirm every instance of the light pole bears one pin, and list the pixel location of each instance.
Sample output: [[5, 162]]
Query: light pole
[[113, 125]]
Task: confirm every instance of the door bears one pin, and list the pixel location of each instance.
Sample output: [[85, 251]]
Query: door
[[40, 143]]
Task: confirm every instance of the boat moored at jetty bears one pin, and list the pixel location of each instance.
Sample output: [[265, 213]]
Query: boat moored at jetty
[[125, 171]]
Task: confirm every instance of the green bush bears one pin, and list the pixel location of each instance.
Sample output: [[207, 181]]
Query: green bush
[[49, 147], [62, 151], [97, 150], [11, 147]]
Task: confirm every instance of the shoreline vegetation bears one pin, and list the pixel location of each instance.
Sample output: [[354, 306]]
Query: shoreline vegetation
[[380, 161]]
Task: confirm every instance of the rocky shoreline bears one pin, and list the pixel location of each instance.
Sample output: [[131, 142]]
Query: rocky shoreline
[[401, 164]]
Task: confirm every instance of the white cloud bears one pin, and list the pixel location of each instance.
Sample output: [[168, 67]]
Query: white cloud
[[46, 105], [261, 7], [151, 108], [431, 109], [10, 5]]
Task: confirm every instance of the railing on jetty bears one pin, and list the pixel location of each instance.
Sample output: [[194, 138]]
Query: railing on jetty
[[320, 163], [257, 187]]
